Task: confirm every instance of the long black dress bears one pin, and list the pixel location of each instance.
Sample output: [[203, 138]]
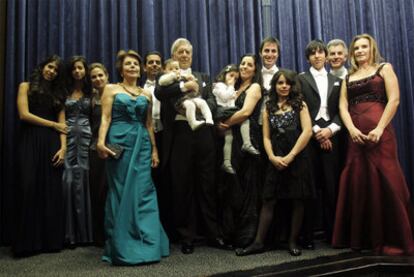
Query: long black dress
[[240, 193], [39, 201], [97, 177]]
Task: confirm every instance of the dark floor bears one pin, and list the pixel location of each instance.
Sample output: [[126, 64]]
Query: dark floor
[[325, 261], [85, 261]]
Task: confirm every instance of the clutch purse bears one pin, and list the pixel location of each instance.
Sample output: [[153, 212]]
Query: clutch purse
[[117, 149]]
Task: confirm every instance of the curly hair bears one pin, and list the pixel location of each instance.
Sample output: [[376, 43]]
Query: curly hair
[[295, 98], [54, 89]]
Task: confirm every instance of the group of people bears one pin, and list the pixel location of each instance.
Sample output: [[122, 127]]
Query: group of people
[[225, 162]]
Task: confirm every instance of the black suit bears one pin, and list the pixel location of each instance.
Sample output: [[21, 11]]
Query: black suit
[[325, 163], [189, 157]]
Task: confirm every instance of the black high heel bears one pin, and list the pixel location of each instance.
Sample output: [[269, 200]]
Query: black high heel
[[254, 248]]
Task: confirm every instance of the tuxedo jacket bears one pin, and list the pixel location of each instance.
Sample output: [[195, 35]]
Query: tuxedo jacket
[[313, 100], [168, 111]]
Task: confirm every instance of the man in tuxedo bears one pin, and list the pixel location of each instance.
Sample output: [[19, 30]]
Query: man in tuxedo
[[189, 156], [269, 54], [337, 55], [321, 93], [153, 68]]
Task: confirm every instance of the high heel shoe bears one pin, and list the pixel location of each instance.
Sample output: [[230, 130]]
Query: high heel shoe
[[254, 248], [295, 252]]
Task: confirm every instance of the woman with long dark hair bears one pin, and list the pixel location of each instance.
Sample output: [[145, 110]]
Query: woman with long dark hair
[[240, 192], [287, 129], [78, 228], [42, 148]]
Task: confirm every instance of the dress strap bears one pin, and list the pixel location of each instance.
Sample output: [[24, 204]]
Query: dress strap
[[379, 68]]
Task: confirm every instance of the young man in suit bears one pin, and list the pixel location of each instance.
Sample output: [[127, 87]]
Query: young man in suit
[[189, 156], [321, 93]]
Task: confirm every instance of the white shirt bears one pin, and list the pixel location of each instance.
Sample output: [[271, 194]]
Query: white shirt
[[321, 79], [184, 72], [340, 73], [225, 95], [268, 75], [156, 106]]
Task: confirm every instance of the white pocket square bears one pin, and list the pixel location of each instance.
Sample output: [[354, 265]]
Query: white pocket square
[[204, 84], [336, 83]]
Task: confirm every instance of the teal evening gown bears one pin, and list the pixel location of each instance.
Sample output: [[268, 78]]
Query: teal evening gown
[[134, 234]]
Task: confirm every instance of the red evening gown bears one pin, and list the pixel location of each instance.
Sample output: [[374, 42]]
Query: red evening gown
[[374, 209]]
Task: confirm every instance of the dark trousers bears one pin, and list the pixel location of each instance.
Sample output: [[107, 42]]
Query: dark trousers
[[193, 181], [326, 172], [161, 180]]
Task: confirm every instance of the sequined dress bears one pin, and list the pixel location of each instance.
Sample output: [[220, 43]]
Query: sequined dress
[[295, 181]]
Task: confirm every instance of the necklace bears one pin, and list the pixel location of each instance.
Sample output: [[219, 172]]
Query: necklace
[[133, 93]]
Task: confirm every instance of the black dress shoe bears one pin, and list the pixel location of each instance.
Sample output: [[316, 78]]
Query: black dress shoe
[[295, 252], [220, 244], [253, 248], [187, 248], [308, 245]]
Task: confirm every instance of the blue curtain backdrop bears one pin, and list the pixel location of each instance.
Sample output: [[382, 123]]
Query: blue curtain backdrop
[[220, 30]]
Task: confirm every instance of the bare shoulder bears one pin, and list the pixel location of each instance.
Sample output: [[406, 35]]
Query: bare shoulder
[[304, 106], [112, 87], [147, 94], [255, 89], [387, 67], [24, 85], [387, 70]]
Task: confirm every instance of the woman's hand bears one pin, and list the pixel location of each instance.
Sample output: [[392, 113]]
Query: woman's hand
[[60, 127], [222, 127], [375, 135], [59, 157], [155, 160], [288, 159], [278, 162], [357, 136], [103, 151]]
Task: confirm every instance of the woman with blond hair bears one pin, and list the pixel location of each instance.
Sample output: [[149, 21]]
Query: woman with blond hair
[[374, 210]]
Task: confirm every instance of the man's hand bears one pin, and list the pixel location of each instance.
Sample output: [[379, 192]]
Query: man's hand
[[191, 86], [323, 134]]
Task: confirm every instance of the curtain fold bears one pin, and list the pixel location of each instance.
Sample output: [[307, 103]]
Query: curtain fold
[[220, 31]]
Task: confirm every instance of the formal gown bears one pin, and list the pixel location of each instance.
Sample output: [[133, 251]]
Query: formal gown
[[134, 234], [97, 177], [374, 210], [39, 202], [78, 227], [240, 193], [294, 182]]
